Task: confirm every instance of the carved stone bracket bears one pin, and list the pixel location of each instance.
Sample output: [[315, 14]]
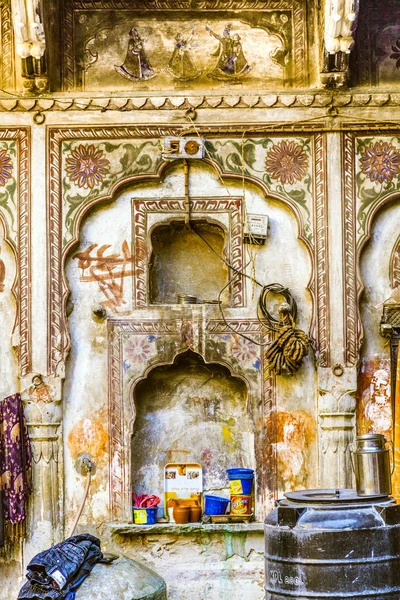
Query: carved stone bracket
[[339, 29], [337, 420]]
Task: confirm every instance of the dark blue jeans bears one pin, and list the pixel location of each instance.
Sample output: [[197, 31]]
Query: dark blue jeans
[[55, 573]]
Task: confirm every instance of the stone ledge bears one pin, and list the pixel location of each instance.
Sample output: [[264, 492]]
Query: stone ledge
[[190, 528]]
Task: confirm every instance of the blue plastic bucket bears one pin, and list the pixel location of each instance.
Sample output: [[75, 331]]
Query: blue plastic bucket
[[241, 481], [145, 516], [215, 505]]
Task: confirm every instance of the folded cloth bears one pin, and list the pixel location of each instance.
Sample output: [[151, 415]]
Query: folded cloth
[[56, 573], [15, 459]]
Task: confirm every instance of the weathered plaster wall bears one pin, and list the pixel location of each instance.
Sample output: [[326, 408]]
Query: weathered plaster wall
[[374, 389], [322, 164]]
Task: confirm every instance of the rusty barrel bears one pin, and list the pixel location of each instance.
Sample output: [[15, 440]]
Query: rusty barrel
[[322, 544]]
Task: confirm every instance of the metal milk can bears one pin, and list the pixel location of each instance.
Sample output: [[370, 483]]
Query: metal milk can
[[371, 465]]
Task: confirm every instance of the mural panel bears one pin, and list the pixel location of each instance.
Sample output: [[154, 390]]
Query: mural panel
[[164, 48]]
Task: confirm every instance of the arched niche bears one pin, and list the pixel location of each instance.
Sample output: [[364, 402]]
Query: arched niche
[[59, 292], [375, 396], [8, 315], [190, 411], [187, 260], [100, 369]]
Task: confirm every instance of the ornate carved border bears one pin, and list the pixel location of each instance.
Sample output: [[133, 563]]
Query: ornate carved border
[[176, 206], [321, 251], [119, 421], [350, 269], [395, 265], [22, 284], [298, 10], [6, 40], [353, 247]]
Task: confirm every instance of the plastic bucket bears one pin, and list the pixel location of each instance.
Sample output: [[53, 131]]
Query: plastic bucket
[[214, 505], [241, 481], [145, 516]]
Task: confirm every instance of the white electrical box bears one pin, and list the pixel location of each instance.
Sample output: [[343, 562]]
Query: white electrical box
[[256, 228], [183, 147]]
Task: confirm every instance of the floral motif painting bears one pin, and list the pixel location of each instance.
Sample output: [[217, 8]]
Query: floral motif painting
[[86, 166], [378, 173], [287, 162]]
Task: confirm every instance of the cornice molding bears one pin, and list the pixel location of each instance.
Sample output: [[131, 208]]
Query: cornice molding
[[317, 99]]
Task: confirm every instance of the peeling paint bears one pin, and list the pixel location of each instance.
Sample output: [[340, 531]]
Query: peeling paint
[[374, 410]]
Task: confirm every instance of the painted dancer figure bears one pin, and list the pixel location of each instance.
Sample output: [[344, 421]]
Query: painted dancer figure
[[136, 65], [182, 66], [232, 63]]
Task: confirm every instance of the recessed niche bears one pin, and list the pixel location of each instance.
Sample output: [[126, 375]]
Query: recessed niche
[[190, 411], [183, 263]]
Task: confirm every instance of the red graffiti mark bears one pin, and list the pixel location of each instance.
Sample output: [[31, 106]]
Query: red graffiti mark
[[108, 271]]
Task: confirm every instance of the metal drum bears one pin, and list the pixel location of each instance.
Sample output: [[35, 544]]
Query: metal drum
[[322, 544], [371, 465]]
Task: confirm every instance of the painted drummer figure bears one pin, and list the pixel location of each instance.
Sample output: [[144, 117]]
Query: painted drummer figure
[[136, 65]]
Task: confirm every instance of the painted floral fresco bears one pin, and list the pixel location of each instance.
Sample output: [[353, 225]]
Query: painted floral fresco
[[378, 170], [282, 165], [91, 169], [8, 184]]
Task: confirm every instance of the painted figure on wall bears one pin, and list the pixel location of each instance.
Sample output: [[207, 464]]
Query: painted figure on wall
[[182, 66], [232, 63], [136, 65], [377, 405]]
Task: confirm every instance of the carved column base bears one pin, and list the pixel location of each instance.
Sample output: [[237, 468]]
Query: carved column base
[[337, 423]]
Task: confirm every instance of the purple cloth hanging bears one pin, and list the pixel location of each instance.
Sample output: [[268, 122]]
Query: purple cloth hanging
[[15, 459]]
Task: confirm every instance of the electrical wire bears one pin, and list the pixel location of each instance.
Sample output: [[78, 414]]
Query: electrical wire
[[85, 494], [276, 288]]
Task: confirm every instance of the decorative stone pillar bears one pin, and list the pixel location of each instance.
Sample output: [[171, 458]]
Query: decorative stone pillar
[[43, 412], [337, 422]]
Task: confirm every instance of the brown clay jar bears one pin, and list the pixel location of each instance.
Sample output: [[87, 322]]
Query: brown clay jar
[[181, 514], [195, 514]]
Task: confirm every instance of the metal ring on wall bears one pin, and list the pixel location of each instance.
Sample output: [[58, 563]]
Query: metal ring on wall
[[338, 370], [39, 118]]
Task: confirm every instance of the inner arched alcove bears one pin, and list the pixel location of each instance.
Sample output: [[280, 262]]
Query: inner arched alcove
[[183, 261], [190, 411], [374, 407]]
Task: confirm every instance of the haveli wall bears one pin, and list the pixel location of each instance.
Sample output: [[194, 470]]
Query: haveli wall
[[297, 129]]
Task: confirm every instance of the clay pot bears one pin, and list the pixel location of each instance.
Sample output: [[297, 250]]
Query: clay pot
[[195, 514], [181, 514]]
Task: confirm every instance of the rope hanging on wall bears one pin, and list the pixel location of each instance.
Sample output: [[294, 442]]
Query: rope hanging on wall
[[286, 353]]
